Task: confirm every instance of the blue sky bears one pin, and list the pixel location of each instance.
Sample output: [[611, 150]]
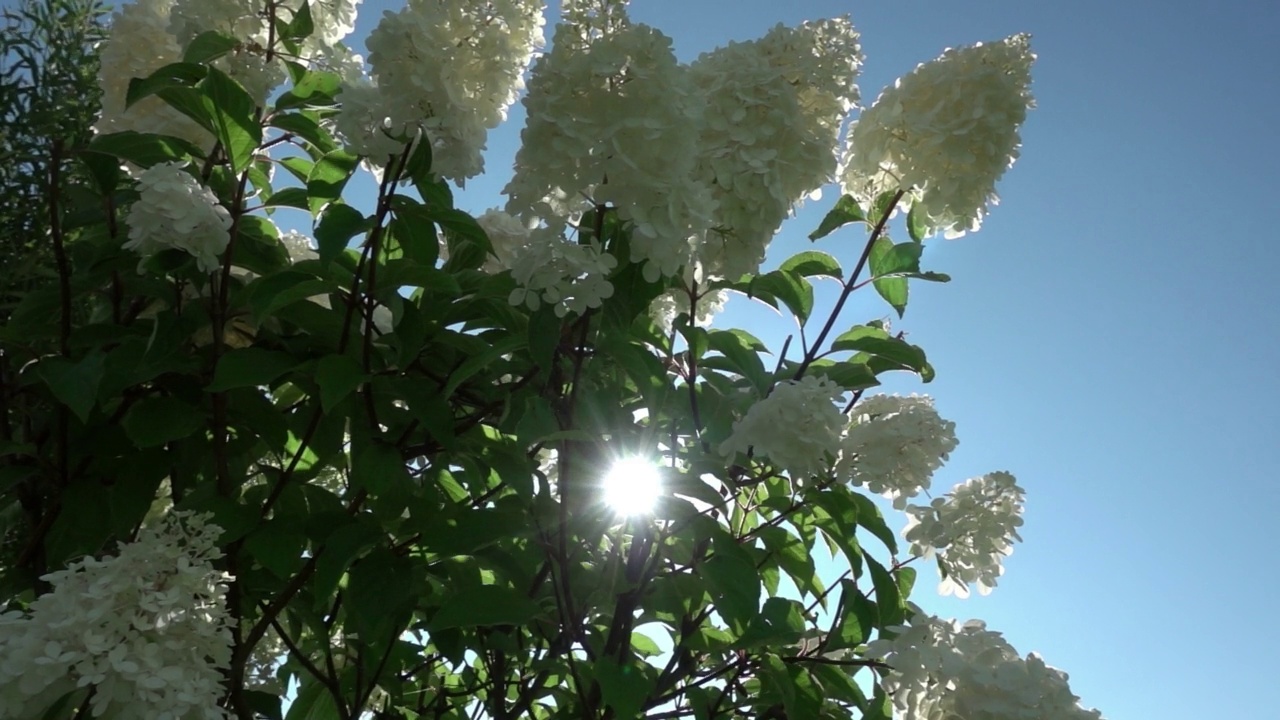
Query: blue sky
[[1107, 335]]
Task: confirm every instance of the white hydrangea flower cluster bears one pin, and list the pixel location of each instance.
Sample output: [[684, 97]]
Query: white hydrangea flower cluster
[[507, 235], [449, 69], [148, 629], [612, 121], [796, 427], [590, 19], [671, 303], [247, 20], [946, 132], [774, 111], [567, 275], [149, 34], [139, 44], [970, 531], [174, 210], [894, 444], [944, 670]]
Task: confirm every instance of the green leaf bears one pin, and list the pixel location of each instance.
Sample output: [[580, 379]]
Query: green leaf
[[380, 597], [209, 46], [193, 103], [173, 75], [889, 601], [143, 149], [466, 532], [338, 224], [476, 363], [233, 120], [845, 212], [892, 289], [623, 687], [258, 247], [848, 374], [468, 243], [340, 549], [917, 228], [305, 127], [741, 349], [338, 376], [856, 618], [889, 259], [250, 367], [734, 583], [313, 702], [884, 205], [301, 26], [811, 263], [278, 547], [157, 420], [294, 197], [74, 384], [780, 622], [317, 87], [298, 166], [792, 289], [328, 177], [870, 517], [483, 606], [377, 466], [883, 352], [270, 293], [906, 581], [418, 169], [413, 228]]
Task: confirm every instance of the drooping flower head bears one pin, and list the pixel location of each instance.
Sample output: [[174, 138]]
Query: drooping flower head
[[769, 133], [450, 69], [148, 629], [970, 531], [942, 669], [796, 427], [894, 444], [612, 122], [138, 44], [945, 133]]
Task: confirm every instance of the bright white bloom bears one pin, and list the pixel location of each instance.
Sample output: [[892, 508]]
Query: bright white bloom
[[148, 629], [612, 121], [174, 210], [893, 444], [139, 44], [507, 235], [675, 301], [364, 121], [451, 68], [971, 530], [797, 427], [770, 131], [946, 132], [552, 270], [943, 670]]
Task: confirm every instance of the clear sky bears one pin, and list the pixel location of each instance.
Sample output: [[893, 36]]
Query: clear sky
[[1107, 336]]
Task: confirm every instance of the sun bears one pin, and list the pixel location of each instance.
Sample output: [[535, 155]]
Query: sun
[[632, 486]]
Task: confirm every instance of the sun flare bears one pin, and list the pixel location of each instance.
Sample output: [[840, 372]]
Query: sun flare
[[632, 486]]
